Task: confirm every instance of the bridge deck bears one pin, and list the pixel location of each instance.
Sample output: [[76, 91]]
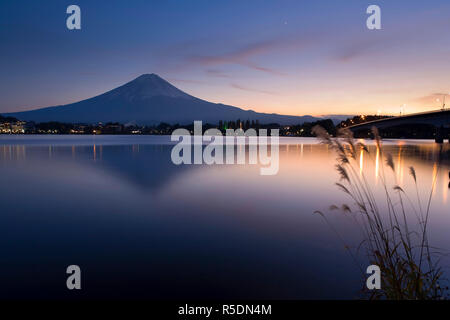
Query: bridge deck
[[436, 118]]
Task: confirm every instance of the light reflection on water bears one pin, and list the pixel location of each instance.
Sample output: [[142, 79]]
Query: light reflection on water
[[141, 227]]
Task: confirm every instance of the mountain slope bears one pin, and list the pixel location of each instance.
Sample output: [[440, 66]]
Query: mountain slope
[[149, 100]]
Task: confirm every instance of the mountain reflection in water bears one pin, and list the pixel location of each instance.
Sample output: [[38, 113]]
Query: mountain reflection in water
[[142, 227]]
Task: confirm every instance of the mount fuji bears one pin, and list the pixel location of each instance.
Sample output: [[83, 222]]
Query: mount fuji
[[149, 100]]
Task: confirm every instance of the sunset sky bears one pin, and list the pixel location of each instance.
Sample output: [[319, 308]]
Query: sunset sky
[[289, 57]]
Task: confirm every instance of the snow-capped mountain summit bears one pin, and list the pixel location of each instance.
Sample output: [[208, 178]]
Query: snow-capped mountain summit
[[147, 86], [149, 100]]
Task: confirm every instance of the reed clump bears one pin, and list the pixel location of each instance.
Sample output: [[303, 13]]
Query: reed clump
[[393, 227]]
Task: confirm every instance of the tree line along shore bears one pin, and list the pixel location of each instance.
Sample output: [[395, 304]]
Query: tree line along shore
[[10, 125]]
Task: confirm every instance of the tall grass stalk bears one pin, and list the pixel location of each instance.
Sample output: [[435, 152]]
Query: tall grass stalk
[[409, 266]]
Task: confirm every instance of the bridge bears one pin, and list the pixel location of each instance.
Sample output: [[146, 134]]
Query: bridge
[[440, 119]]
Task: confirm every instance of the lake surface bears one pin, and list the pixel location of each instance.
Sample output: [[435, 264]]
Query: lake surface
[[141, 227]]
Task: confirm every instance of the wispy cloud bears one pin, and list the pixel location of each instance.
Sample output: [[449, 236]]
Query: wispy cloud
[[244, 55], [432, 99], [215, 55], [240, 56], [357, 49], [408, 32], [217, 73], [186, 81], [240, 87]]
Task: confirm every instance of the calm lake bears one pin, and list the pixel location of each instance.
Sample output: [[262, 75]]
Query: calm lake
[[142, 227]]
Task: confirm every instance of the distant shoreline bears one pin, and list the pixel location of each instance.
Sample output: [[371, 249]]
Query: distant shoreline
[[13, 126], [74, 135]]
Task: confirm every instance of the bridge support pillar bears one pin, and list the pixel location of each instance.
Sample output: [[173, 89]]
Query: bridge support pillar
[[440, 135]]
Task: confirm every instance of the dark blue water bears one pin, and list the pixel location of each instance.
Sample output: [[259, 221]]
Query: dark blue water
[[141, 227]]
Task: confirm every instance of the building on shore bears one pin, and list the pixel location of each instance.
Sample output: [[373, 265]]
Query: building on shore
[[13, 127]]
